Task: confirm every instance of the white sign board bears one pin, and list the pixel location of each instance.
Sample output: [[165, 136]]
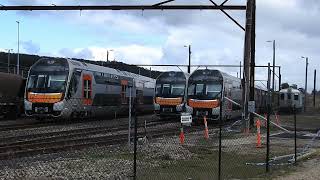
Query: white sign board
[[186, 118]]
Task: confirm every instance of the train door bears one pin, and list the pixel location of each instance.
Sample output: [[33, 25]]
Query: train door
[[87, 89], [124, 87], [139, 94]]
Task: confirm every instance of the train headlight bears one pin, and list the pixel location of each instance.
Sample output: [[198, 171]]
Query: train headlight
[[27, 105], [58, 106], [216, 111], [156, 106]]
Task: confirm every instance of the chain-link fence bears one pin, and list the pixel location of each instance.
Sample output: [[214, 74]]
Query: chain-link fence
[[54, 146]]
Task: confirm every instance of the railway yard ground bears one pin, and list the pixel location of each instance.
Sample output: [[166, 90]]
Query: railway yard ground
[[99, 150]]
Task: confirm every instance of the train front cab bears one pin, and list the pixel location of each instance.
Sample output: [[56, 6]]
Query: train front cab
[[46, 87], [170, 95], [289, 98], [204, 93], [169, 100]]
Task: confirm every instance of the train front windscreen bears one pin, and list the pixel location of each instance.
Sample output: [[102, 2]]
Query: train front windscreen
[[48, 76], [170, 90], [210, 90], [48, 82]]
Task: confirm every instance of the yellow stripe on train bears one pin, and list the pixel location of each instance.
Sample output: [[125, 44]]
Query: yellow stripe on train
[[44, 97], [203, 103], [168, 101]]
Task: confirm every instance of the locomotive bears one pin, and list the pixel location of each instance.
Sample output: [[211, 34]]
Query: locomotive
[[171, 94], [65, 88]]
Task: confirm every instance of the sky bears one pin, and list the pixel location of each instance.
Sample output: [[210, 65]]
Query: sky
[[160, 37]]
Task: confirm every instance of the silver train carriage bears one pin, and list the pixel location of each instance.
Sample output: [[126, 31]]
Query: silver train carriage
[[204, 92], [290, 97], [171, 94], [71, 89]]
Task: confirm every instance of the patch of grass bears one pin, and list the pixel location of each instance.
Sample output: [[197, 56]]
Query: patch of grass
[[204, 165]]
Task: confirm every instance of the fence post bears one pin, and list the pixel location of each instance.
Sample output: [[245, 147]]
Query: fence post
[[129, 126], [220, 135], [268, 121], [135, 142], [295, 134]]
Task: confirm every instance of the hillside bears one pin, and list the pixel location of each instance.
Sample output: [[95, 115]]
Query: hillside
[[27, 60]]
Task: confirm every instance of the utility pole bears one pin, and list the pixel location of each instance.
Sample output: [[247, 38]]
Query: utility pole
[[18, 60], [249, 63], [150, 73], [306, 83], [9, 59], [252, 62], [279, 87], [314, 88], [107, 55], [240, 70], [246, 64], [273, 65], [189, 65]]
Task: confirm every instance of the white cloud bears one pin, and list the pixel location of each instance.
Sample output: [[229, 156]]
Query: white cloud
[[214, 38], [132, 54]]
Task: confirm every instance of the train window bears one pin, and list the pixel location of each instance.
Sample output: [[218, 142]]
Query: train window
[[289, 96], [191, 89], [296, 97], [213, 89], [282, 96], [32, 81], [41, 83], [87, 89], [73, 85], [158, 89], [177, 89], [56, 81], [166, 89], [199, 89]]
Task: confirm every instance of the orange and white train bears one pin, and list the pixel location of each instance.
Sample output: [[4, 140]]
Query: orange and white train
[[205, 89], [171, 94], [65, 88]]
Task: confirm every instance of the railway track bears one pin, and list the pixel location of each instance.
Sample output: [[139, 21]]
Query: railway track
[[30, 149], [58, 141], [81, 132], [39, 124], [29, 145]]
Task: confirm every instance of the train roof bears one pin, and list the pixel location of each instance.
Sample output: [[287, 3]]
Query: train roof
[[168, 73], [92, 67], [73, 64], [291, 90], [228, 77]]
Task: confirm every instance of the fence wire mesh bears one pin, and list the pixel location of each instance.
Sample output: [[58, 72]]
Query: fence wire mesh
[[88, 147]]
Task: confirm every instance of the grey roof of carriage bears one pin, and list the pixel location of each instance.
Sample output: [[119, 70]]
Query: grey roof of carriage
[[148, 82]]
